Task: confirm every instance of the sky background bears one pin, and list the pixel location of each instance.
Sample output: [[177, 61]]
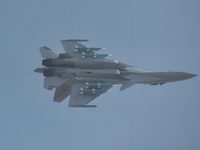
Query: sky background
[[158, 35]]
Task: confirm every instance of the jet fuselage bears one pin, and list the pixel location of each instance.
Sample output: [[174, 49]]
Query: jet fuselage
[[84, 75]]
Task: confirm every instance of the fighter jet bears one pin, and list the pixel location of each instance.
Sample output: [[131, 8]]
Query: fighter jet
[[83, 74]]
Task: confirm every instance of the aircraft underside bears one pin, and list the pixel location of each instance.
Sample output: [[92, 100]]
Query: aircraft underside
[[83, 74]]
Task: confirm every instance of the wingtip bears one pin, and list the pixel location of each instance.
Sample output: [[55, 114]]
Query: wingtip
[[82, 106], [76, 40]]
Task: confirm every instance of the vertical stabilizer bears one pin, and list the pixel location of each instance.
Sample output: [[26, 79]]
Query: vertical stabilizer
[[48, 53]]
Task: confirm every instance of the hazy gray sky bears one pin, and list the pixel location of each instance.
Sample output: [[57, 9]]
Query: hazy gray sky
[[159, 35]]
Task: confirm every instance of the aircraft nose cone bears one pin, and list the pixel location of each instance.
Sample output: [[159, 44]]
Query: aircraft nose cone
[[188, 75]]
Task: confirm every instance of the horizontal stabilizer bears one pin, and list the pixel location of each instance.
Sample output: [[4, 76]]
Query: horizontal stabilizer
[[52, 82], [48, 53], [62, 91]]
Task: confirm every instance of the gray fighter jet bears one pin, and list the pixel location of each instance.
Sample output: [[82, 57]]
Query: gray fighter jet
[[84, 74]]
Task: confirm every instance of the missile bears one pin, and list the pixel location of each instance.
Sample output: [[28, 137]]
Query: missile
[[88, 48], [95, 55], [98, 85], [92, 91]]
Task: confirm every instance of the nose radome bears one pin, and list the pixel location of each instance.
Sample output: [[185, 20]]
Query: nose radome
[[189, 75]]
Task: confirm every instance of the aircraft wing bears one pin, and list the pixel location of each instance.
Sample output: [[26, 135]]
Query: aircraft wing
[[82, 94], [77, 50]]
